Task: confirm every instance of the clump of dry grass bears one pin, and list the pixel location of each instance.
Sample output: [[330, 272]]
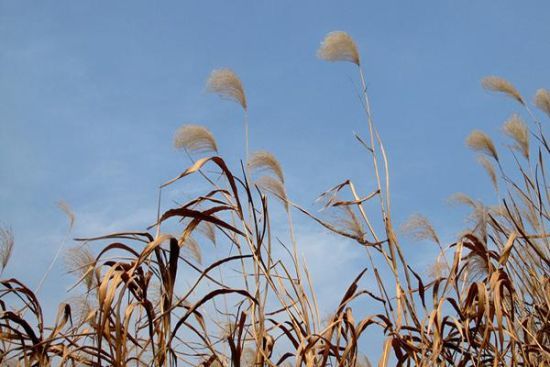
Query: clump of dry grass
[[195, 139], [515, 128], [498, 84], [481, 142], [227, 84], [542, 100], [339, 46], [487, 306]]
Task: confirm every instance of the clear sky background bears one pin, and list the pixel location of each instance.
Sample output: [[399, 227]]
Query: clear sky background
[[91, 94]]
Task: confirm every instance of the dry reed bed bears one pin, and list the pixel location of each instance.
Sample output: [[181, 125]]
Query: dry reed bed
[[486, 303]]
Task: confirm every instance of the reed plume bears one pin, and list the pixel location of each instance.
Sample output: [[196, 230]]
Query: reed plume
[[192, 247], [348, 221], [195, 139], [439, 268], [490, 169], [80, 261], [461, 198], [542, 100], [498, 84], [83, 308], [208, 230], [419, 228], [7, 241], [227, 84], [515, 128], [481, 142], [264, 161], [339, 46], [477, 264], [275, 187], [65, 208]]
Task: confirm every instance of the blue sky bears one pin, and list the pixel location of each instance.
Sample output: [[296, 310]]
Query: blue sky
[[91, 94]]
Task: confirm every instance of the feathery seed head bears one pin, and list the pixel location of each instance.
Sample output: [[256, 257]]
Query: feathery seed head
[[490, 169], [439, 268], [461, 198], [477, 266], [265, 161], [419, 228], [338, 46], [195, 138], [515, 128], [81, 261], [208, 230], [363, 362], [498, 84], [227, 84], [6, 246], [193, 247], [274, 186], [346, 219], [499, 210], [542, 100], [481, 142], [82, 308], [248, 357], [68, 212]]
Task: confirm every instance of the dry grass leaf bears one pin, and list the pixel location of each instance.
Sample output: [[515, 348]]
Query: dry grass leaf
[[542, 100], [265, 161], [498, 84], [419, 228], [65, 208], [339, 46], [227, 84], [490, 169], [481, 142], [195, 138], [7, 240], [515, 128]]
